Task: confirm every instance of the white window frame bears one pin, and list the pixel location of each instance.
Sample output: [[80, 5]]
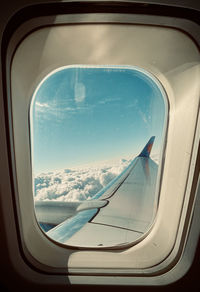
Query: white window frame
[[161, 146], [162, 249]]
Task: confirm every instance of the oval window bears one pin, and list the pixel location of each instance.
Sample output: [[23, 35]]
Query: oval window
[[97, 135]]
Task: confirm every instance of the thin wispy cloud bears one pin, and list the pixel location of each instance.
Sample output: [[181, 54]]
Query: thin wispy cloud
[[54, 109], [108, 100], [43, 105], [143, 116]]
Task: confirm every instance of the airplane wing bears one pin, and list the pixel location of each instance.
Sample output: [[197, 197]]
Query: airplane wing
[[119, 214]]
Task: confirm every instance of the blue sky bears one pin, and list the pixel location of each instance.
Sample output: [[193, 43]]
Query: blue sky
[[81, 115]]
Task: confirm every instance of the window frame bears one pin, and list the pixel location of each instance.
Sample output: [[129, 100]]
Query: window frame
[[162, 144], [176, 250]]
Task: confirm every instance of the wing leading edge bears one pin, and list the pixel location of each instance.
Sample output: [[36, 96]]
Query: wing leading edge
[[126, 212]]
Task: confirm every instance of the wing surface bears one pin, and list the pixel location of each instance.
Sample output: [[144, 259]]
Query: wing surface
[[127, 212]]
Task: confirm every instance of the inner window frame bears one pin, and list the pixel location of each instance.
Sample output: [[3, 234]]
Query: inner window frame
[[160, 87]]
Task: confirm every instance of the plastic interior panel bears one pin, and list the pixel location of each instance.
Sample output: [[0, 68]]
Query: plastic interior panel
[[174, 59]]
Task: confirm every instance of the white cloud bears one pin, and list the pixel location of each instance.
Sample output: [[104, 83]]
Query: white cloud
[[76, 184], [39, 104], [41, 107]]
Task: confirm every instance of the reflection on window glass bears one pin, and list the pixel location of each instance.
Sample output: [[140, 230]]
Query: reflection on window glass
[[97, 135]]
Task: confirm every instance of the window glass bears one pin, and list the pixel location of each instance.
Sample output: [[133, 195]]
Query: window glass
[[94, 158]]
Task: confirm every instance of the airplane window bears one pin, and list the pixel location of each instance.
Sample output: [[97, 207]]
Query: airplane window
[[97, 136]]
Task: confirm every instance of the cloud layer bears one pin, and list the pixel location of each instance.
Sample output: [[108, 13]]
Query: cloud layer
[[76, 184]]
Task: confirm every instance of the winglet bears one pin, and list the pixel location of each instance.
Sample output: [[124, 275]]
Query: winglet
[[147, 149]]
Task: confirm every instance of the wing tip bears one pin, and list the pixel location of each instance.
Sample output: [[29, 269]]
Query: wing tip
[[147, 149]]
